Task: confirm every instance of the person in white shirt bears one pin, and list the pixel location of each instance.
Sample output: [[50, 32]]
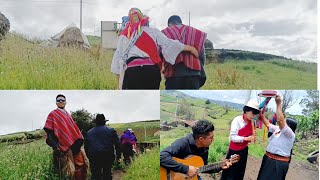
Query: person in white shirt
[[241, 134], [276, 161]]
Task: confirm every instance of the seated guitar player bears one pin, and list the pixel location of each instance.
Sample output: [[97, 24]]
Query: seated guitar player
[[196, 143]]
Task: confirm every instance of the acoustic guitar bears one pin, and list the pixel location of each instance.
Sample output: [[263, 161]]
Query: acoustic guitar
[[195, 161]]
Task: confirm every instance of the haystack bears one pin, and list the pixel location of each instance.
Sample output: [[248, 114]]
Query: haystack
[[4, 26], [71, 36]]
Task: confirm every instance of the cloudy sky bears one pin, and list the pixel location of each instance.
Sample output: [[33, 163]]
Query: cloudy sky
[[28, 110], [240, 96], [280, 27]]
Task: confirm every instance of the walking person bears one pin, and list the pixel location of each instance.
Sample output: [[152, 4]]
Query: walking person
[[136, 61], [188, 70], [128, 144], [100, 144]]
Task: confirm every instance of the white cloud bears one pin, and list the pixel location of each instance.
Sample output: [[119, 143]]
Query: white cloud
[[28, 110]]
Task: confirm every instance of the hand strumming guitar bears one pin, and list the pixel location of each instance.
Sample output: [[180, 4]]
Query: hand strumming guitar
[[192, 171]]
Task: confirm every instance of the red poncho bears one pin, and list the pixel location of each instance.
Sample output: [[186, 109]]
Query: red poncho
[[64, 128], [189, 36]]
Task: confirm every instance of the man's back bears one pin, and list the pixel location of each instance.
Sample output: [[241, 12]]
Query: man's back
[[101, 139], [188, 71]]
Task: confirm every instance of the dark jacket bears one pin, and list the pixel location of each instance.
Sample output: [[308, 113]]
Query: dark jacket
[[182, 148], [102, 139]]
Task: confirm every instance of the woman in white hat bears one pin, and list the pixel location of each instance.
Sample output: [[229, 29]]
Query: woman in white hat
[[241, 133]]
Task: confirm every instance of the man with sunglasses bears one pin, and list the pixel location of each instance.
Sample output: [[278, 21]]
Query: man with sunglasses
[[241, 134], [65, 138]]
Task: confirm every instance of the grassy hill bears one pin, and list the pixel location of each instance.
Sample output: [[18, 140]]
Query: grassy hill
[[144, 130], [25, 65], [230, 54], [145, 167], [94, 40]]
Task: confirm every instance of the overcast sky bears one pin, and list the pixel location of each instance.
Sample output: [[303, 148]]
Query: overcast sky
[[280, 27], [240, 96], [28, 110]]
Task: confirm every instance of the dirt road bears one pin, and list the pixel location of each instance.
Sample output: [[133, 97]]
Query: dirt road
[[297, 170], [117, 174]]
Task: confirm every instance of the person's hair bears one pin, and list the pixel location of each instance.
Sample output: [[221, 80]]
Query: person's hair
[[60, 95], [292, 123], [175, 20], [247, 109], [202, 128]]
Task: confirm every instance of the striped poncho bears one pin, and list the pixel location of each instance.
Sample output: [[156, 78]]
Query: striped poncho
[[64, 128], [189, 36]]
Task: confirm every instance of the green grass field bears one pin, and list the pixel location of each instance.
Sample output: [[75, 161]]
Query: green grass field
[[144, 131], [26, 161], [31, 158], [145, 167], [24, 65], [272, 74], [28, 66]]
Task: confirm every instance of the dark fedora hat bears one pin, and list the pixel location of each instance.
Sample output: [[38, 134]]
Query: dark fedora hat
[[100, 119]]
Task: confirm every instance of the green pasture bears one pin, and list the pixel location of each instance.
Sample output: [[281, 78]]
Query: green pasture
[[24, 156], [25, 65], [144, 167]]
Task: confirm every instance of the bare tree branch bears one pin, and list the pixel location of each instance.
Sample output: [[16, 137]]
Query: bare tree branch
[[288, 100]]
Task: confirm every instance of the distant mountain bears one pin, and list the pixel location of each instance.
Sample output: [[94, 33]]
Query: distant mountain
[[229, 104], [245, 55], [175, 93], [222, 55]]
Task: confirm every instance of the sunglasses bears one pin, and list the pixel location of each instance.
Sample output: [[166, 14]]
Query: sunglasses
[[60, 100]]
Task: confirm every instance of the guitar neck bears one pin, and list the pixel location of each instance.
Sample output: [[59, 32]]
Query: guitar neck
[[210, 167]]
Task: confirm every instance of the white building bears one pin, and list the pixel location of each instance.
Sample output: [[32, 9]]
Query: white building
[[109, 37]]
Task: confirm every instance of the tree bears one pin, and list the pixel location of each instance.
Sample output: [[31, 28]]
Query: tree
[[288, 100], [308, 124], [314, 121], [208, 101], [226, 108], [303, 126], [185, 109], [310, 102], [83, 119]]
